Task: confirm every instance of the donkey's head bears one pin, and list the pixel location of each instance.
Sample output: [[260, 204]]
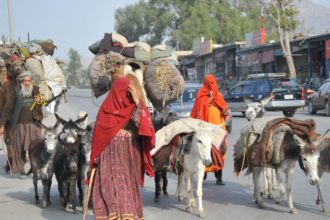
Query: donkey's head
[[71, 129], [309, 157], [202, 144], [255, 109], [50, 136]]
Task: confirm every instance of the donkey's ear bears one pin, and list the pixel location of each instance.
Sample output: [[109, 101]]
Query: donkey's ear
[[247, 100], [299, 141], [61, 120], [265, 100], [79, 120]]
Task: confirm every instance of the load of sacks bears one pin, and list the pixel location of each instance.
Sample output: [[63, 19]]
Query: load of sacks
[[155, 68], [37, 56]]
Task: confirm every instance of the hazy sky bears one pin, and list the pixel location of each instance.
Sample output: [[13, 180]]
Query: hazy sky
[[70, 23]]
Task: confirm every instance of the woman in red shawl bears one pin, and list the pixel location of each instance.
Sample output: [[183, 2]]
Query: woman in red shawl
[[122, 140], [211, 107]]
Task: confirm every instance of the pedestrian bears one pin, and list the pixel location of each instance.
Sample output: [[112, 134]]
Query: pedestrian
[[122, 140], [230, 82], [14, 66], [211, 107], [25, 120]]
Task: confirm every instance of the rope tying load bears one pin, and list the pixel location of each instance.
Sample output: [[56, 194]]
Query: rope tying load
[[163, 75]]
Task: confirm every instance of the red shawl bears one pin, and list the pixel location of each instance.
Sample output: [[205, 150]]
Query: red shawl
[[201, 106], [114, 114]]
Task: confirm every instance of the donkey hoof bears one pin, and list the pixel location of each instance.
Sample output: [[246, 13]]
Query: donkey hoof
[[325, 210], [157, 199], [293, 211], [188, 209], [277, 201], [317, 202], [202, 214], [180, 198], [37, 201], [270, 196], [166, 194], [261, 205], [44, 203]]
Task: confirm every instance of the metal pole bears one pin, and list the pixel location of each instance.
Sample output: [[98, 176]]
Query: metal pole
[[10, 21]]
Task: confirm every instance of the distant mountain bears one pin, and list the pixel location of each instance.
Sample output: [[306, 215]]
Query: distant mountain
[[314, 18]]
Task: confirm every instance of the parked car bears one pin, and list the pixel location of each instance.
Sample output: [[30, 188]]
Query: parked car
[[287, 94], [320, 99], [188, 98]]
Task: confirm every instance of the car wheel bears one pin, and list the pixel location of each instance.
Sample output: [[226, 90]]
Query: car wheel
[[327, 108], [311, 108], [289, 113]]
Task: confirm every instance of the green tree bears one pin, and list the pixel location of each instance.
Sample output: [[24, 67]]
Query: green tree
[[283, 14], [178, 22], [73, 69]]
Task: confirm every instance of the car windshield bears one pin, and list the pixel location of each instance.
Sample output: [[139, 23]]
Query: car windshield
[[286, 83], [189, 94]]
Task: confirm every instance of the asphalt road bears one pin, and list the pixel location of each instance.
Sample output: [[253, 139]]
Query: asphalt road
[[232, 201]]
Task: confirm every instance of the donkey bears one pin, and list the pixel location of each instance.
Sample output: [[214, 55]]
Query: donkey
[[323, 167], [41, 153], [293, 148], [71, 132], [194, 163], [67, 171], [161, 160], [256, 109]]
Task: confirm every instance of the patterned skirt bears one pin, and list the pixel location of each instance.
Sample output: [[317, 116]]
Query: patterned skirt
[[116, 191]]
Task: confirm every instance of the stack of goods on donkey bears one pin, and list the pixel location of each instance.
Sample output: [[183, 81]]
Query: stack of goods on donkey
[[155, 68], [278, 143]]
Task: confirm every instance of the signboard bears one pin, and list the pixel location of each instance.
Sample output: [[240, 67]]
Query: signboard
[[206, 47], [327, 49], [191, 74], [255, 38], [197, 44]]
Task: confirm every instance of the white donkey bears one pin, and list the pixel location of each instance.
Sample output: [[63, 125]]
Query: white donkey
[[204, 135], [323, 167], [195, 162], [256, 109], [290, 146]]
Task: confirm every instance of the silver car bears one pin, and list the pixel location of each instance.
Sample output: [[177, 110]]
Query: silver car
[[183, 110]]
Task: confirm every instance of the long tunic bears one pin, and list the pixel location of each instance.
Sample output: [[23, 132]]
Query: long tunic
[[24, 131]]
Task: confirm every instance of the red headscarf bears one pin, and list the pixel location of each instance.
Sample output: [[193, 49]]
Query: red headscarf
[[114, 114], [201, 106]]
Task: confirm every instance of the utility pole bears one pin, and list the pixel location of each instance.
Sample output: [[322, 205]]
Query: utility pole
[[10, 21]]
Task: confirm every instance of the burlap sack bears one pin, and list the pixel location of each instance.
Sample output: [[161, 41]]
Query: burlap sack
[[163, 82], [102, 69]]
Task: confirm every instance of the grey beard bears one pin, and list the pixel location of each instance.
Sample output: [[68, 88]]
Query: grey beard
[[26, 91]]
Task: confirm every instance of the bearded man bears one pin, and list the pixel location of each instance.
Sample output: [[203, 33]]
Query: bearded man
[[25, 120]]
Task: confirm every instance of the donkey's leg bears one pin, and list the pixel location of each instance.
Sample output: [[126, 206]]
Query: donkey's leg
[[256, 171], [180, 193], [157, 186], [35, 184], [319, 196], [289, 175], [199, 191], [274, 182], [165, 182], [281, 187], [268, 182], [46, 191], [189, 191]]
